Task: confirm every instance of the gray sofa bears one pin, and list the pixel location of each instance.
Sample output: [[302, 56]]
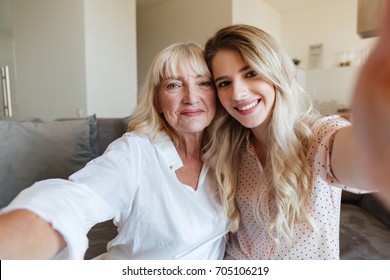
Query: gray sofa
[[36, 150]]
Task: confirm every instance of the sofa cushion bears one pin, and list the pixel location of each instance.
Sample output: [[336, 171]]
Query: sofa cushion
[[375, 207], [362, 236], [35, 150], [109, 130], [347, 196]]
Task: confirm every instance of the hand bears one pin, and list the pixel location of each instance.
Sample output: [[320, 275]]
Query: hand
[[24, 235], [371, 111]]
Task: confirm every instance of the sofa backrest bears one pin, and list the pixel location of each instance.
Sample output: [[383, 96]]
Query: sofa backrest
[[109, 129], [36, 150]]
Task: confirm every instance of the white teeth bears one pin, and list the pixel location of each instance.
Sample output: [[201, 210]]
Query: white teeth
[[247, 107]]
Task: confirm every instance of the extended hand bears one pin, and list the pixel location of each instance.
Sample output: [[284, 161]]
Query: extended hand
[[371, 111]]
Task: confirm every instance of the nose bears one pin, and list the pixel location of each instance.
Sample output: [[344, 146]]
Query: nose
[[240, 89], [191, 94]]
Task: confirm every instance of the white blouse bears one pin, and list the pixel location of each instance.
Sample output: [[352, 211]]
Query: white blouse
[[135, 183]]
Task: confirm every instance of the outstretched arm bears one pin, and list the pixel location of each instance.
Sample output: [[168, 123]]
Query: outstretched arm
[[368, 142], [24, 235], [371, 109]]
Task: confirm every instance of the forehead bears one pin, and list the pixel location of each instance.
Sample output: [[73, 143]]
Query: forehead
[[184, 75], [187, 67], [231, 55], [226, 61]]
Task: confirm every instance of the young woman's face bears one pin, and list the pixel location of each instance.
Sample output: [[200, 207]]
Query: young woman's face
[[243, 93], [187, 102]]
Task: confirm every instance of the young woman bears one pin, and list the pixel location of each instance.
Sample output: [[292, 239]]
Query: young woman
[[282, 166]]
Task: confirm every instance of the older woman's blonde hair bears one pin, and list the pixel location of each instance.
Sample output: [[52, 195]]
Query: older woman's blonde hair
[[170, 62], [286, 178]]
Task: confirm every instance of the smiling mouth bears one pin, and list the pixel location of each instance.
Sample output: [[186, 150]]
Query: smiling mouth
[[192, 113], [248, 106]]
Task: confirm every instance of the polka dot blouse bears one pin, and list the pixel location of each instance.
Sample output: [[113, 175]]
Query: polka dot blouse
[[252, 240]]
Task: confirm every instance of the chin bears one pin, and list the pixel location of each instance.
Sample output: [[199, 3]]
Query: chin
[[250, 123]]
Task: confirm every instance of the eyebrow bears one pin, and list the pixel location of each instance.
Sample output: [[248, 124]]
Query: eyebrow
[[182, 77], [243, 69]]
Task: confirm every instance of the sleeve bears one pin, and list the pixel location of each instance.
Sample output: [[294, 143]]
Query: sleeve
[[98, 192], [325, 130]]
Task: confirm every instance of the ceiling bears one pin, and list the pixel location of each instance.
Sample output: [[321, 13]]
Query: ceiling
[[280, 5]]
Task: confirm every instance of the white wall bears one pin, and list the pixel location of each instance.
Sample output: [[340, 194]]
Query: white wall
[[259, 14], [111, 57], [75, 58], [331, 87], [177, 21], [49, 47], [334, 25]]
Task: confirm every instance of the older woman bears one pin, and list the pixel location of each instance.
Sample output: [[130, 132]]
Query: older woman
[[152, 180]]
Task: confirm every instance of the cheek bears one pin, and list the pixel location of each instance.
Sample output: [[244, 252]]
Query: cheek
[[269, 89], [166, 105], [223, 100], [212, 106], [272, 96], [160, 103], [212, 100]]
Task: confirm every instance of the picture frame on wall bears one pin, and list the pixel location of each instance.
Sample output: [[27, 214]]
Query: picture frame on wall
[[316, 56]]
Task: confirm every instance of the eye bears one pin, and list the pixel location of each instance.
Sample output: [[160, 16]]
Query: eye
[[251, 74], [172, 85], [223, 84], [205, 83]]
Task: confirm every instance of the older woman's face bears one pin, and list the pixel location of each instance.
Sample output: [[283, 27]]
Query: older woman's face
[[187, 102]]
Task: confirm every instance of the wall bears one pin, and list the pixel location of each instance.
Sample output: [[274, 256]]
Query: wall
[[75, 58], [49, 48], [331, 87], [334, 25], [259, 14], [177, 21], [111, 57]]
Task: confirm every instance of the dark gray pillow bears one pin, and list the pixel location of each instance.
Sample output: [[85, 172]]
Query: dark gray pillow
[[31, 151]]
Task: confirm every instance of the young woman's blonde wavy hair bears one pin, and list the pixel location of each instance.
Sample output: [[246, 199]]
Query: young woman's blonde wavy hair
[[174, 60], [286, 178]]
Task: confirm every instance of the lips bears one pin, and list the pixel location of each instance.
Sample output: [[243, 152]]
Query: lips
[[191, 112], [244, 107]]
